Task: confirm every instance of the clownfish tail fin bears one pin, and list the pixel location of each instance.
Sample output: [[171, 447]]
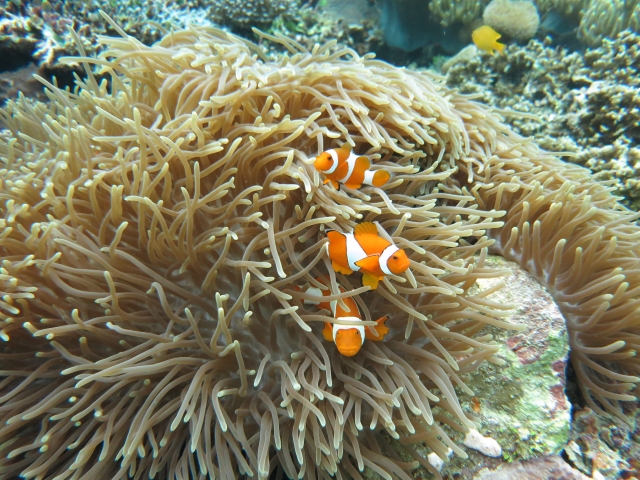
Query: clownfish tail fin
[[380, 177], [381, 329]]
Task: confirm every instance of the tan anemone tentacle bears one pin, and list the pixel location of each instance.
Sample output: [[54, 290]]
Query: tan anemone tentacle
[[158, 226]]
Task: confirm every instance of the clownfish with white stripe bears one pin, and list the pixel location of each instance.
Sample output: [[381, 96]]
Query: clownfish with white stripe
[[341, 165], [370, 250], [348, 339]]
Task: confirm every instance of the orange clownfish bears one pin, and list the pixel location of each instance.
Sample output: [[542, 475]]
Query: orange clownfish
[[370, 250], [486, 38], [344, 166], [348, 339]]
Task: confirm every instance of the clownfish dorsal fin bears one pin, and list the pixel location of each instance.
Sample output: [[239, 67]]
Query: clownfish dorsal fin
[[370, 281], [365, 228], [369, 263], [383, 233], [347, 146]]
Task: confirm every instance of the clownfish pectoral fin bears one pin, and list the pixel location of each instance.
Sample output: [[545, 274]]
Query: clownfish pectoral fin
[[370, 263], [327, 332], [381, 329], [335, 184], [326, 180], [370, 281]]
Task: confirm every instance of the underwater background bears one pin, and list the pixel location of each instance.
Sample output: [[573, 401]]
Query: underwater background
[[564, 72]]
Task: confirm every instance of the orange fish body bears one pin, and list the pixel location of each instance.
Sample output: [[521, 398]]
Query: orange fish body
[[348, 339], [486, 38], [367, 251], [341, 165]]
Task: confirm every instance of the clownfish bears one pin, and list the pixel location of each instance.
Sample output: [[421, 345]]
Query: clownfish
[[344, 166], [348, 339], [486, 38], [370, 250]]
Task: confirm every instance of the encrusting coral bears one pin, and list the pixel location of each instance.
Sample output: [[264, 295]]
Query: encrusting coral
[[156, 226]]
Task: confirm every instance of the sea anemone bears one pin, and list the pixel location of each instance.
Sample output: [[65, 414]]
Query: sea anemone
[[158, 223]]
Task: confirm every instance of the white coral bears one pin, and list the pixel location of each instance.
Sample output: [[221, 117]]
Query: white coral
[[518, 19]]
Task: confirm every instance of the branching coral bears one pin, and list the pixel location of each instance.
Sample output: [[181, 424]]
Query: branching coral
[[602, 20], [155, 226], [451, 11], [587, 104]]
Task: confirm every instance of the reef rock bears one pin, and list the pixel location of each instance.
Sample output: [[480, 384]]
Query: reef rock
[[544, 468], [521, 405]]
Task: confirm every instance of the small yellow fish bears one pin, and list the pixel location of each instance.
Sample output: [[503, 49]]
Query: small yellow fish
[[486, 38]]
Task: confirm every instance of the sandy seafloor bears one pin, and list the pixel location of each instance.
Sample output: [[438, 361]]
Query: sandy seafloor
[[574, 88]]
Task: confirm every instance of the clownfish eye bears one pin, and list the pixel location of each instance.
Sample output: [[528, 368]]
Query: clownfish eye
[[395, 257]]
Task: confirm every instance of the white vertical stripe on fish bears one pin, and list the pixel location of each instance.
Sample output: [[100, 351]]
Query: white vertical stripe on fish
[[385, 256], [355, 320], [315, 291], [334, 157], [368, 177], [355, 252], [351, 162]]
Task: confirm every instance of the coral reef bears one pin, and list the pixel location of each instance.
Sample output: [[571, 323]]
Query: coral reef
[[602, 20], [156, 226], [543, 468], [587, 104], [41, 30], [517, 19], [524, 401], [332, 22], [564, 7], [609, 448], [45, 26], [20, 81], [448, 12], [520, 405], [246, 14]]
